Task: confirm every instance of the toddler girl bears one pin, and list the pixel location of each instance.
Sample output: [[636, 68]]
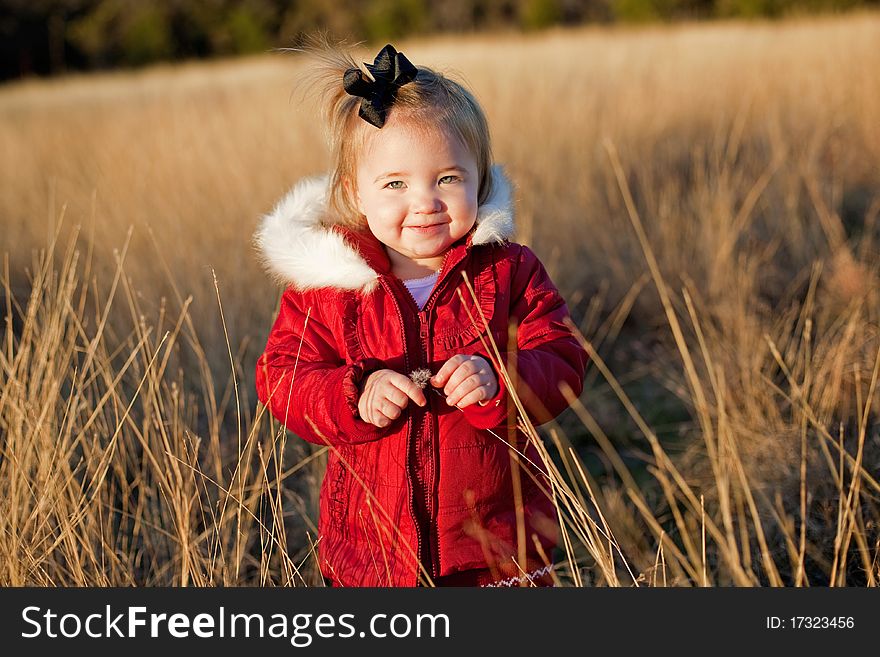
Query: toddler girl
[[380, 351]]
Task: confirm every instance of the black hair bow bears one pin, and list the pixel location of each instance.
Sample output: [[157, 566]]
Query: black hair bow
[[390, 71]]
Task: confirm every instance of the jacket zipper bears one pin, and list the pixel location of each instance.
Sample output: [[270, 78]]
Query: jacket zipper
[[433, 551], [428, 483], [411, 433], [433, 538]]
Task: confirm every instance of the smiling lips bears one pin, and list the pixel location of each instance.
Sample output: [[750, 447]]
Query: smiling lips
[[427, 228]]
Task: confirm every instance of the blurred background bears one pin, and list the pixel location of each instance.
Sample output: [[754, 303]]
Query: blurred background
[[700, 178], [56, 36]]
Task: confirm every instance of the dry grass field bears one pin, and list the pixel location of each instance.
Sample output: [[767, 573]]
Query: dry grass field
[[706, 196]]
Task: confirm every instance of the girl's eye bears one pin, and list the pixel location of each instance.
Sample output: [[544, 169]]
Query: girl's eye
[[394, 184], [449, 179]]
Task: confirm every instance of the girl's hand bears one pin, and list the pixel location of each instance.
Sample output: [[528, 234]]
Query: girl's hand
[[384, 396], [466, 380]]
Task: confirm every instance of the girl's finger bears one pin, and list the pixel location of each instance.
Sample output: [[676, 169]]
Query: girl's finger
[[389, 409], [440, 379], [466, 387], [369, 417], [409, 389], [394, 395], [464, 371], [380, 419], [473, 397]]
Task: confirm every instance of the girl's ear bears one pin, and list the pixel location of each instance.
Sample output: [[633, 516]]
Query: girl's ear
[[352, 193]]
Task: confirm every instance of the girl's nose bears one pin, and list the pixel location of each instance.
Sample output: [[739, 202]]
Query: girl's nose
[[426, 202]]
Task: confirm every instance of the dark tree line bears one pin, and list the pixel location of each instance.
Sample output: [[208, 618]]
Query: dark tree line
[[53, 36]]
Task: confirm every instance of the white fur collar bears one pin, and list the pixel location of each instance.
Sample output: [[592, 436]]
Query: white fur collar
[[297, 248]]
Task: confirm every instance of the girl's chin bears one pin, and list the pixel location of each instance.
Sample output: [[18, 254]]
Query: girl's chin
[[427, 251]]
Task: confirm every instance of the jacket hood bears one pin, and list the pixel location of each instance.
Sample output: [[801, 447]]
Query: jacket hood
[[297, 247]]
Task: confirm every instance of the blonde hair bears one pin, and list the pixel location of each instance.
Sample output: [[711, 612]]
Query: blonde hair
[[431, 99]]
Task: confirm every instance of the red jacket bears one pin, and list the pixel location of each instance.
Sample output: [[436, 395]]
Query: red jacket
[[435, 487]]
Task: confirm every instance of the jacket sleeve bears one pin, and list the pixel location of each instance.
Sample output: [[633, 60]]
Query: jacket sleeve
[[306, 384], [547, 353]]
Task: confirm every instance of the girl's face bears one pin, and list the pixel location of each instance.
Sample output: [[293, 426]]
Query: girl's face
[[418, 190]]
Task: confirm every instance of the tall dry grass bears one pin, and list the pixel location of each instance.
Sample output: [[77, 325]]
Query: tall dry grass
[[705, 196]]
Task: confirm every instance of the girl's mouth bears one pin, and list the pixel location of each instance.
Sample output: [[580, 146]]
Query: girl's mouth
[[426, 229]]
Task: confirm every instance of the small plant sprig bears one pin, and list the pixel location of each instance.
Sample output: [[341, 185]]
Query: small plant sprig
[[421, 377]]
